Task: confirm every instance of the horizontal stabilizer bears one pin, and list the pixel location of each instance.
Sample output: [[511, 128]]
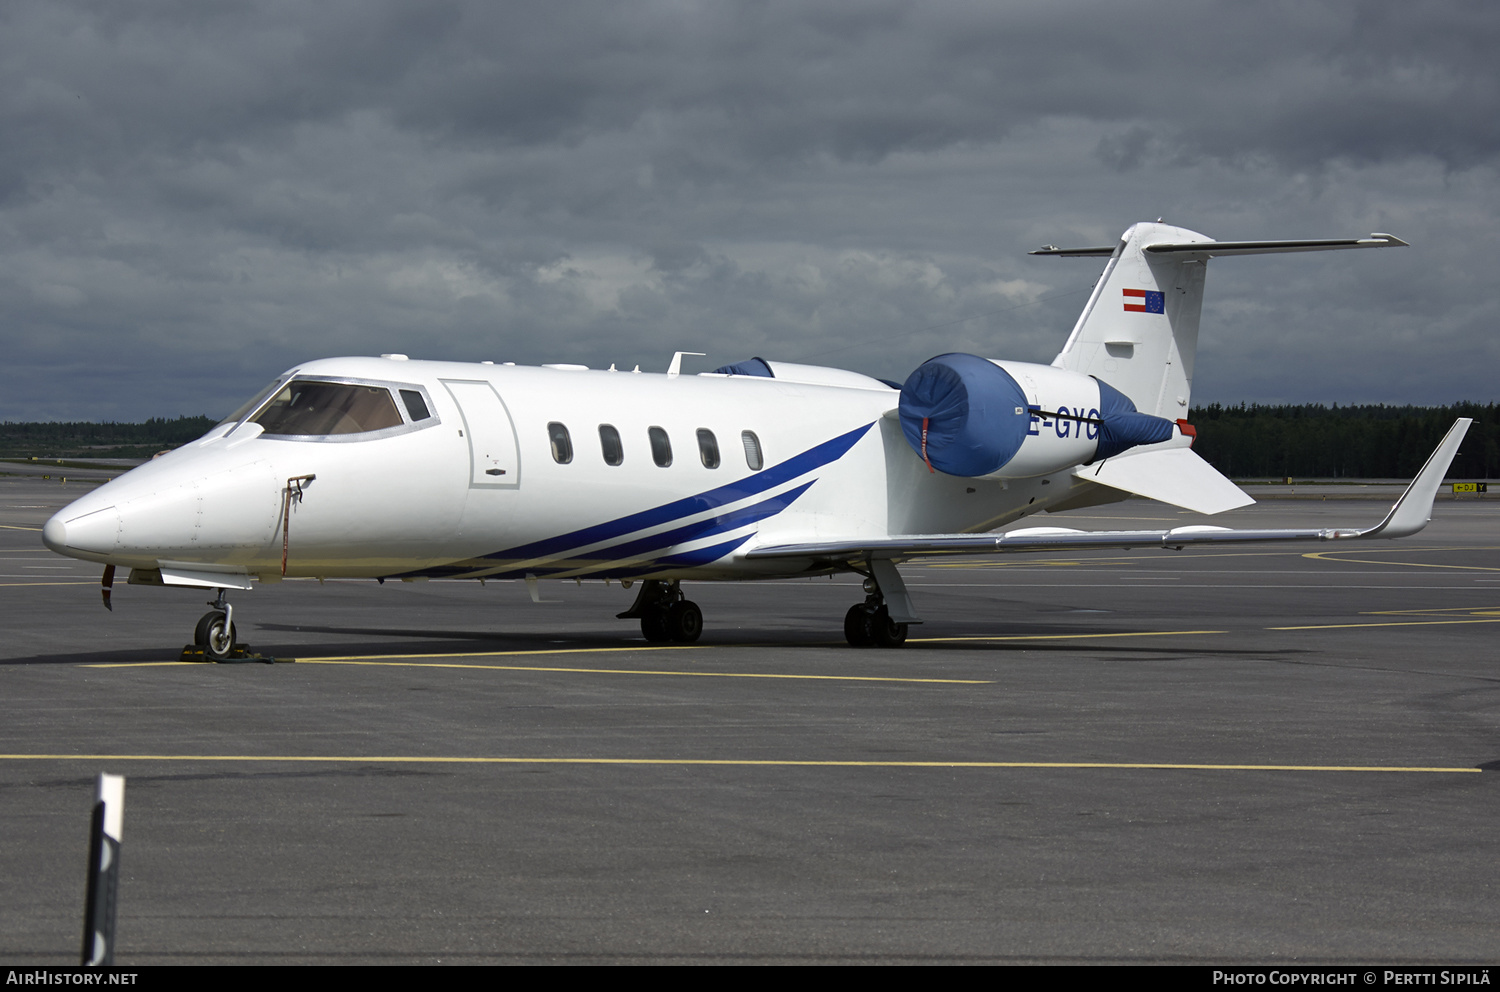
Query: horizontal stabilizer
[[1171, 475], [1220, 249]]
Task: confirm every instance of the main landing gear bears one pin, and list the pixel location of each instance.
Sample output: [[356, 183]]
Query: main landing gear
[[882, 619], [664, 614]]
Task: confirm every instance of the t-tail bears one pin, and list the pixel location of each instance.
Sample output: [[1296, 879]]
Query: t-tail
[[1139, 329]]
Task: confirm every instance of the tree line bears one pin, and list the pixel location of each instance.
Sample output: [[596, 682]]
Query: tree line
[[1252, 441], [83, 439], [1342, 442]]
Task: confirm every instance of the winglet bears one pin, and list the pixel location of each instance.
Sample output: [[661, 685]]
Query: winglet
[[1414, 508]]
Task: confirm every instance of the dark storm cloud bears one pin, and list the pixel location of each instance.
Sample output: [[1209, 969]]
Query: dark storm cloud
[[220, 190]]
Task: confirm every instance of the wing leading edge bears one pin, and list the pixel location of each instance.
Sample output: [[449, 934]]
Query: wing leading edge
[[1408, 516]]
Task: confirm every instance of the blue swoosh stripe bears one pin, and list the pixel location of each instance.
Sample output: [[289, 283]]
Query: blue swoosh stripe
[[688, 559], [635, 549], [812, 458], [702, 528]]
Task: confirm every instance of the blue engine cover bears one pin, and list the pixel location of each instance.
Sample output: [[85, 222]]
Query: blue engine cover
[[970, 405], [750, 366], [1123, 426]]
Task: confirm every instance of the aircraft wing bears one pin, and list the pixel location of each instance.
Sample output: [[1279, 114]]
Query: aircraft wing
[[1409, 515]]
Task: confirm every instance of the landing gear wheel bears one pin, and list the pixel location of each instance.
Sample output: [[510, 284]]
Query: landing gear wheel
[[654, 625], [859, 626], [216, 634], [887, 633], [684, 621]]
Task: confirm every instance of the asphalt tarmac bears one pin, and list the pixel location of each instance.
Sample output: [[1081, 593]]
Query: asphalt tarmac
[[1248, 755]]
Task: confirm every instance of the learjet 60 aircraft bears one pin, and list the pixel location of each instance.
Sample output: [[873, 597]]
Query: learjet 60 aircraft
[[387, 468]]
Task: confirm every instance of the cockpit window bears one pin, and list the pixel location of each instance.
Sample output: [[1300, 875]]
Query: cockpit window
[[248, 407], [414, 405], [307, 407]]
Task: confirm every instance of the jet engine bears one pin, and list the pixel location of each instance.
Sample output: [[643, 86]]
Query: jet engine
[[984, 419]]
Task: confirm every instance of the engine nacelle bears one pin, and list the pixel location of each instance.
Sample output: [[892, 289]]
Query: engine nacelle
[[982, 419]]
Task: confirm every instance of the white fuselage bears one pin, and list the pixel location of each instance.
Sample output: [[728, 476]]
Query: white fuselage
[[476, 487]]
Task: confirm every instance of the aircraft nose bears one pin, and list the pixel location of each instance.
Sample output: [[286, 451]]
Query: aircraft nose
[[92, 533]]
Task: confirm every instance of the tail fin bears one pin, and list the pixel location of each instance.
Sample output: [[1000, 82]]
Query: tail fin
[[1139, 330]]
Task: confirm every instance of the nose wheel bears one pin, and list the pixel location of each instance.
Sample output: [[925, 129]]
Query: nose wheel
[[215, 635]]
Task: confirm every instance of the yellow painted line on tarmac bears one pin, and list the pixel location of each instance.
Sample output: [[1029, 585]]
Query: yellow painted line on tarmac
[[1398, 623], [18, 527], [625, 671], [143, 664], [414, 661], [1324, 556], [735, 762], [1061, 637], [1452, 611], [372, 658]]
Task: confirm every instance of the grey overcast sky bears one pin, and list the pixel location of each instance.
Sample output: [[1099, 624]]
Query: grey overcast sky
[[196, 196]]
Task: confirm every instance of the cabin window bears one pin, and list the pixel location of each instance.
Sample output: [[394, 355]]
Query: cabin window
[[752, 450], [415, 405], [609, 441], [708, 448], [562, 444], [306, 407], [661, 447]]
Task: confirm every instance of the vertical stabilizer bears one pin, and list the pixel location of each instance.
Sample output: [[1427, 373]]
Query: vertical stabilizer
[[1139, 331]]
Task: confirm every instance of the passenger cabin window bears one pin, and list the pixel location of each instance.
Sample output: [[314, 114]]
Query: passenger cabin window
[[562, 444], [752, 450], [609, 441], [661, 447], [306, 407], [708, 448], [415, 405]]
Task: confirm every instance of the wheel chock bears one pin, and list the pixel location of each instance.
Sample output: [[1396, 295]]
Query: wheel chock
[[240, 654]]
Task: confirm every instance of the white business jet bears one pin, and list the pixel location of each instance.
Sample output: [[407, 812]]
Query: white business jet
[[389, 468]]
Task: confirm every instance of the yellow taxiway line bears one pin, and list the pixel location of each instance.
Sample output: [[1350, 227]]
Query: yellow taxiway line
[[1060, 637], [627, 671], [412, 661], [736, 762], [1398, 623], [1326, 556]]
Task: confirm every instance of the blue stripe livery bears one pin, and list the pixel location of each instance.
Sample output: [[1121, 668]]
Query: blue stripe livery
[[810, 459], [702, 528], [552, 549]]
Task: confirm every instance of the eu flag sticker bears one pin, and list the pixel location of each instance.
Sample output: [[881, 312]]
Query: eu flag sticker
[[1145, 301]]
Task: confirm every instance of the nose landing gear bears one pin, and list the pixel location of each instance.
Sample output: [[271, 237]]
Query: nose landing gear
[[215, 631], [664, 614], [215, 639]]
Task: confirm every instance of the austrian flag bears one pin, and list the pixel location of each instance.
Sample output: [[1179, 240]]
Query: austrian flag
[[1145, 301]]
